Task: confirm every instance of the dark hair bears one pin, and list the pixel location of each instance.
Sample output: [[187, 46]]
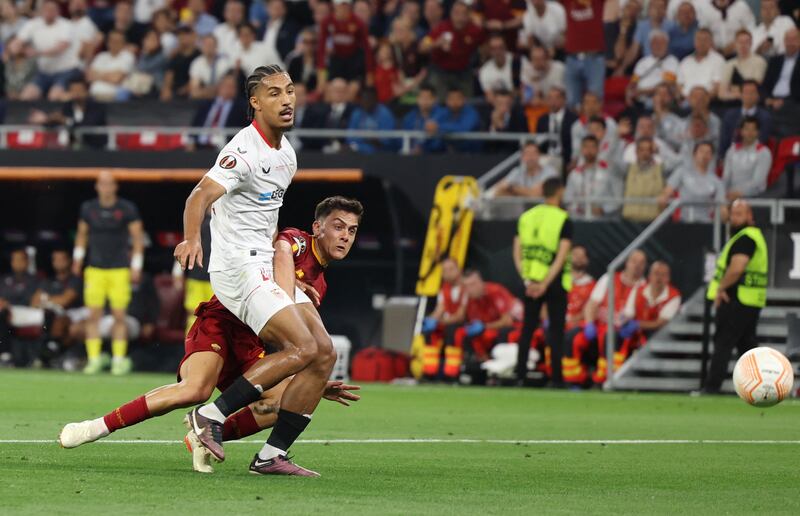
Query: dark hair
[[750, 82], [704, 29], [529, 143], [696, 147], [503, 92], [551, 186], [254, 80], [121, 33], [598, 120], [246, 25], [453, 89], [337, 202], [590, 138], [427, 87], [750, 120], [184, 29], [78, 79], [644, 139], [471, 272]]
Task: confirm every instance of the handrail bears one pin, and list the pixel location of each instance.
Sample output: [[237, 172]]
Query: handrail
[[654, 226], [498, 169], [405, 135]]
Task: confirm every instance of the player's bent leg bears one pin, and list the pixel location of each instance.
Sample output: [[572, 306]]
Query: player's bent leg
[[199, 374], [257, 416], [297, 349]]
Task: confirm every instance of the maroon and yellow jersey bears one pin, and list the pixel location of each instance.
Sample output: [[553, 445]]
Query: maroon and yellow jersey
[[308, 267]]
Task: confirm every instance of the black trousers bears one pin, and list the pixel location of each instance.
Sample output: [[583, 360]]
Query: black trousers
[[735, 329], [555, 297]]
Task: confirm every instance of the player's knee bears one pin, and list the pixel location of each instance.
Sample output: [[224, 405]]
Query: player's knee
[[326, 353], [194, 394]]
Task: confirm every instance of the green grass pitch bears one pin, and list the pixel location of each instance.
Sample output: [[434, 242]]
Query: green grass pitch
[[516, 477]]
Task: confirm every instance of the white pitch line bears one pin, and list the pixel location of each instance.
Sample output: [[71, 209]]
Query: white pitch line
[[442, 441]]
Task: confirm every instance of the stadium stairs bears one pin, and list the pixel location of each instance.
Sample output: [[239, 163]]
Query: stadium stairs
[[671, 359]]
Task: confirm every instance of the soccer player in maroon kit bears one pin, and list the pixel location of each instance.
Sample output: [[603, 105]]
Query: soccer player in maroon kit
[[219, 347]]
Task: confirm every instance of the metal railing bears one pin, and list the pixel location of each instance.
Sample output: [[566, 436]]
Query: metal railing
[[777, 216], [223, 134]]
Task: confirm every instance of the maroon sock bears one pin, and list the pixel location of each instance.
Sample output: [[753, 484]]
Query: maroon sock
[[240, 425], [128, 414]]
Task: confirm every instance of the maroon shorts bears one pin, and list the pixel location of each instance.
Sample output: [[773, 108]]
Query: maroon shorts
[[219, 331]]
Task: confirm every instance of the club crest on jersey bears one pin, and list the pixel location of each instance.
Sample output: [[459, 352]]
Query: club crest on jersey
[[299, 246], [227, 162]]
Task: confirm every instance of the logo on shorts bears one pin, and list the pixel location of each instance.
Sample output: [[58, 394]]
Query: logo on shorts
[[299, 246], [227, 162], [216, 347]]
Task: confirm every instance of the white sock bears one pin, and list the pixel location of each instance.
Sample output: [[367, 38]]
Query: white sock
[[212, 412], [99, 427], [270, 452]]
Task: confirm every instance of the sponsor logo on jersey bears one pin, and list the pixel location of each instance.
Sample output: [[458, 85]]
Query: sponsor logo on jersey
[[275, 195], [267, 170], [227, 162], [215, 346], [300, 245]]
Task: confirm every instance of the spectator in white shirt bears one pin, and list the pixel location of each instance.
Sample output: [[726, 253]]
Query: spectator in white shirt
[[591, 106], [109, 69], [747, 163], [544, 23], [725, 19], [657, 68], [250, 54], [526, 180], [695, 182], [745, 66], [538, 74], [143, 10], [227, 33], [88, 39], [11, 22], [703, 67], [662, 152], [592, 178], [49, 39], [498, 72], [207, 69], [768, 35]]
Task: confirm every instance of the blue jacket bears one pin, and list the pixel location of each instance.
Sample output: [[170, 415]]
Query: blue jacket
[[414, 121], [379, 120], [467, 120]]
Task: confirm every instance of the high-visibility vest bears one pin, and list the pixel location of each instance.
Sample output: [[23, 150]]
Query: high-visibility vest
[[752, 287], [539, 231]]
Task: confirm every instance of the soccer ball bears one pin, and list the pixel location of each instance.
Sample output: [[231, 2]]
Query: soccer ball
[[763, 377]]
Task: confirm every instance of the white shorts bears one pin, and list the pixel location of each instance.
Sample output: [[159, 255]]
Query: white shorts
[[300, 297], [250, 293]]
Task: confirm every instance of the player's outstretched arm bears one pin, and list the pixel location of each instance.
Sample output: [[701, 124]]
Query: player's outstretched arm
[[190, 251]]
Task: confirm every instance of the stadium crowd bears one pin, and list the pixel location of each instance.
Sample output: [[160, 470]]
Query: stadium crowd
[[691, 69]]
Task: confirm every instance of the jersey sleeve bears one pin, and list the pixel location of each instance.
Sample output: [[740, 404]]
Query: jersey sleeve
[[230, 170], [296, 238], [744, 245], [669, 310], [599, 290], [131, 213], [566, 230], [84, 212], [629, 312]]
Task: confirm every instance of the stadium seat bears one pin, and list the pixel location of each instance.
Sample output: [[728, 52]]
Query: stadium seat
[[36, 140], [149, 140], [171, 317]]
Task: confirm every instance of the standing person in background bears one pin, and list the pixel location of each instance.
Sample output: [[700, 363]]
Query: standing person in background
[[541, 256], [739, 292], [452, 44], [747, 163], [349, 56], [585, 47], [104, 226]]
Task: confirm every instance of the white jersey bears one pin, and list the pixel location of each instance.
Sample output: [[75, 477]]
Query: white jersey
[[255, 177]]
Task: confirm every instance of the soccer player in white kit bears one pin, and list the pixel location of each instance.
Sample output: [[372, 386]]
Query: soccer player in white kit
[[245, 188]]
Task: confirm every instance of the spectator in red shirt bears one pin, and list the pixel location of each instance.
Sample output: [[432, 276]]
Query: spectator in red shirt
[[347, 56], [585, 47], [388, 78], [452, 45], [502, 16]]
